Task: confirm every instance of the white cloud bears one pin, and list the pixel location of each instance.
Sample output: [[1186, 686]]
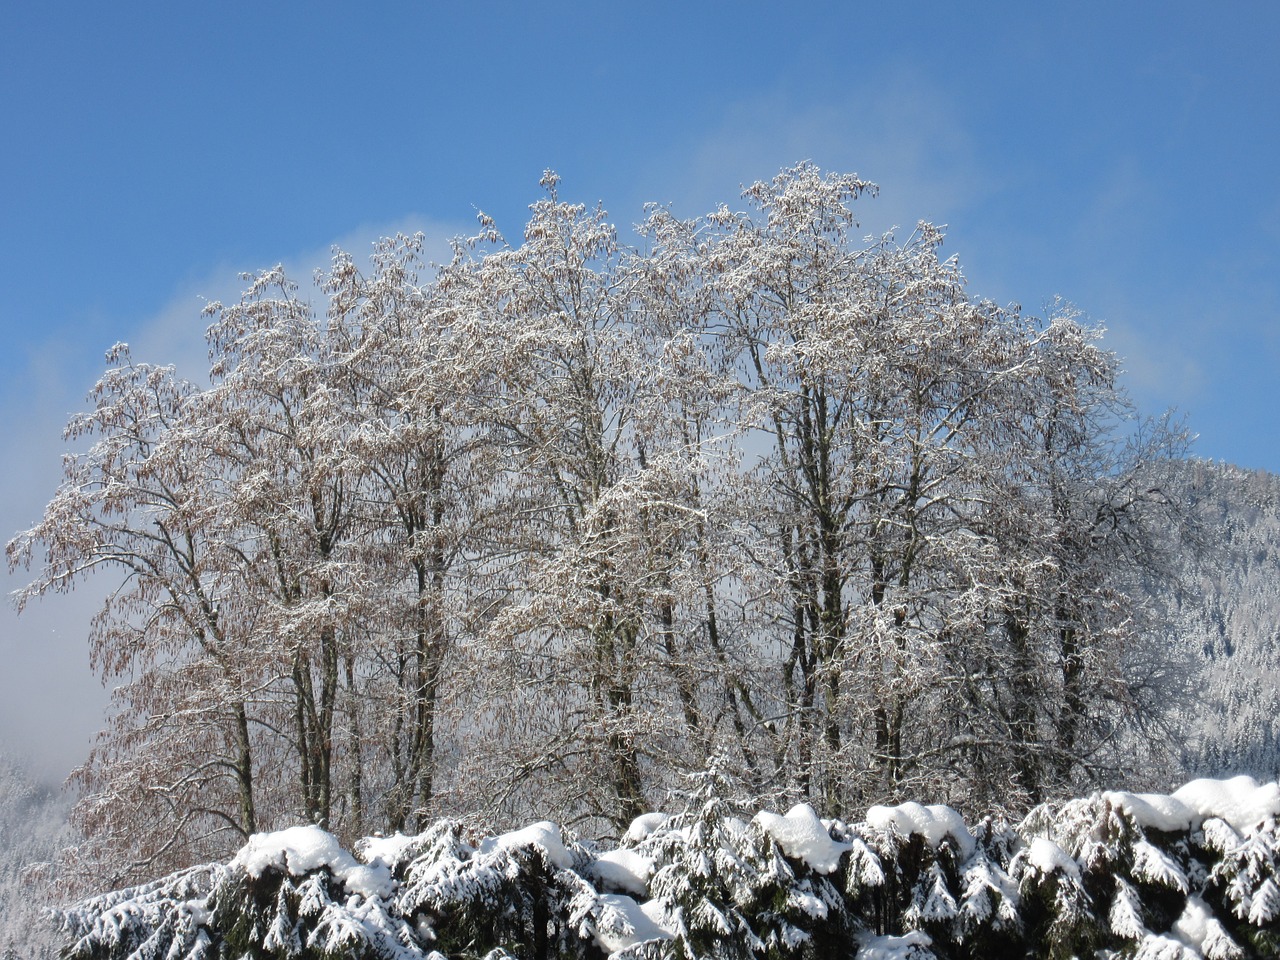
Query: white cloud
[[1155, 366], [900, 132]]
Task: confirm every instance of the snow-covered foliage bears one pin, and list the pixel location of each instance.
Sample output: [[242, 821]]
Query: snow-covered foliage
[[1188, 875], [1192, 873]]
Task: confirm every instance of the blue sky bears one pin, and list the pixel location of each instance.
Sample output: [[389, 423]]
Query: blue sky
[[1121, 155]]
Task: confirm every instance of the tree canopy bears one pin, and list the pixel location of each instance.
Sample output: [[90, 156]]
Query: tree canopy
[[544, 528]]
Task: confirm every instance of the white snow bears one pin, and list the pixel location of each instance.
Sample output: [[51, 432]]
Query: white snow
[[802, 836], [1156, 946], [383, 850], [934, 822], [198, 911], [624, 869], [914, 944], [1240, 801], [1125, 915], [656, 910], [807, 903], [624, 923], [1220, 836], [1154, 865], [644, 825], [1155, 811], [372, 881], [544, 834], [1046, 856], [940, 905], [1264, 906], [1192, 928], [299, 850], [296, 850]]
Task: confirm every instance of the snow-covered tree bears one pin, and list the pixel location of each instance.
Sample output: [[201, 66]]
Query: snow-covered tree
[[277, 426], [1064, 652], [545, 529], [597, 409], [908, 516], [413, 454], [173, 772]]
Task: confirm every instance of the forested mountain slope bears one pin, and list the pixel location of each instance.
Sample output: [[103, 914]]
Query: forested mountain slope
[[33, 829], [1227, 613]]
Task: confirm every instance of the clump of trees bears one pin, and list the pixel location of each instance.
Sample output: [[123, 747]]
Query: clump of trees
[[543, 529]]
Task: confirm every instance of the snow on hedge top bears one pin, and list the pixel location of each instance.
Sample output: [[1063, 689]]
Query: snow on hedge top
[[624, 869], [384, 850], [934, 822], [623, 923], [802, 836], [1046, 856], [299, 850], [644, 825], [544, 834], [1154, 811], [916, 944], [1240, 801]]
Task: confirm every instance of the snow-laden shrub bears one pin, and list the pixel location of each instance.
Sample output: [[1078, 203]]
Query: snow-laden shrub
[[726, 888], [927, 878], [169, 919], [1194, 874], [1189, 874]]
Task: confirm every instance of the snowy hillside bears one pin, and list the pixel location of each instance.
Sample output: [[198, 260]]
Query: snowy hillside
[[33, 828], [1227, 615]]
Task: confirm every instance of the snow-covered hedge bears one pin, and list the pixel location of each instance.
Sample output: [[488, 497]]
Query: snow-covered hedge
[[1188, 875]]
